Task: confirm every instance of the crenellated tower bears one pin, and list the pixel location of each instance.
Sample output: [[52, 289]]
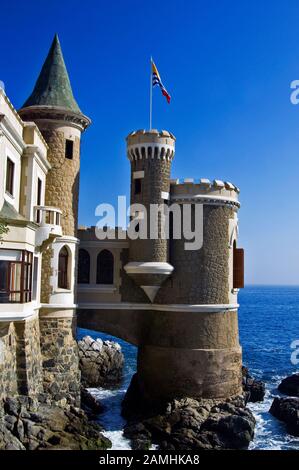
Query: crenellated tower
[[151, 154]]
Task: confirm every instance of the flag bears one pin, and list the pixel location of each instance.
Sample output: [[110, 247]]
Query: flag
[[156, 81]]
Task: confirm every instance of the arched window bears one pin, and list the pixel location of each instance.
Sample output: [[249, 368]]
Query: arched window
[[63, 261], [83, 266], [105, 265]]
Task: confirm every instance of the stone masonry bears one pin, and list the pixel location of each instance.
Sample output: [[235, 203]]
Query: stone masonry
[[62, 187], [61, 376], [201, 276]]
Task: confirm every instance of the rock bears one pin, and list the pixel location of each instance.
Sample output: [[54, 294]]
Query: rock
[[7, 440], [254, 389], [187, 423], [232, 426], [26, 424], [89, 402], [290, 385], [101, 362], [287, 410]]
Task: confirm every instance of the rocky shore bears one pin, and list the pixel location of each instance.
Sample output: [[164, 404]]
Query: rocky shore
[[187, 424], [101, 362], [286, 409], [26, 424], [45, 423], [254, 390]]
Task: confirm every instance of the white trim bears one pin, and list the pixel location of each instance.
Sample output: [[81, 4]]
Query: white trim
[[68, 238], [138, 174], [207, 199], [205, 308], [19, 312], [165, 195], [33, 150], [59, 306], [135, 267], [100, 288], [188, 180], [11, 134]]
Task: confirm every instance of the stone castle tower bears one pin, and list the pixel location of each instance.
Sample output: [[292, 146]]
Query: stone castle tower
[[53, 108], [191, 348], [178, 306], [150, 154]]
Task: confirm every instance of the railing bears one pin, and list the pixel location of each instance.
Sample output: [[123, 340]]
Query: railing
[[47, 215], [49, 220]]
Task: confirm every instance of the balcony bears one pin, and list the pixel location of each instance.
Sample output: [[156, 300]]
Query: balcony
[[49, 221]]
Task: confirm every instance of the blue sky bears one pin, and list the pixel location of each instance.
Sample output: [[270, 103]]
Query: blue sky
[[228, 66]]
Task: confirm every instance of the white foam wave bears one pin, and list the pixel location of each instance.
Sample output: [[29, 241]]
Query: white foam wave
[[270, 433]]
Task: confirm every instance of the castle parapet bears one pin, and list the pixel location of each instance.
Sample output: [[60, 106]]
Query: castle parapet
[[204, 191], [151, 144]]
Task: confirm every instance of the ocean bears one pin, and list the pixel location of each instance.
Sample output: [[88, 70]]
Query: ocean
[[268, 324]]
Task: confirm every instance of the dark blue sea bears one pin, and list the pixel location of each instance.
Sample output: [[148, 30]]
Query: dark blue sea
[[268, 323]]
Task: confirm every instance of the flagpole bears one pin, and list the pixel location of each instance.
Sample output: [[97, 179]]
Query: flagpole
[[151, 97]]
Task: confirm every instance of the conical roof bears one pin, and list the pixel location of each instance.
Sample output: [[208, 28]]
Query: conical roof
[[53, 87]]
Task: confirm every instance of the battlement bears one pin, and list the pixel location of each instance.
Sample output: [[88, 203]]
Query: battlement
[[215, 191], [94, 233], [150, 144]]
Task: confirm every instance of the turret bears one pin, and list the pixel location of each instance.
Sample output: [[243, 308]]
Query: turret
[[54, 109], [150, 153]]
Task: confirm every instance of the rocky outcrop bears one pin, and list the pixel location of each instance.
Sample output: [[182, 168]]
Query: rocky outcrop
[[187, 424], [254, 389], [290, 385], [287, 410], [89, 403], [101, 362], [26, 424]]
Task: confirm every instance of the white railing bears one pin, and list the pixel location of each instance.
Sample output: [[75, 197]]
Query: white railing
[[49, 220], [47, 215]]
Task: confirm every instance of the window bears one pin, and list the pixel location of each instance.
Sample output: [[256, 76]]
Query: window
[[69, 148], [38, 199], [105, 267], [39, 192], [35, 273], [238, 268], [137, 185], [63, 261], [10, 170], [15, 277], [83, 267]]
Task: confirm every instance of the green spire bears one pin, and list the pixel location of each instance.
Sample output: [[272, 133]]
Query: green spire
[[53, 86]]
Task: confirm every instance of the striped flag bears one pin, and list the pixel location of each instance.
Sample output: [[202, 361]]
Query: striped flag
[[156, 81]]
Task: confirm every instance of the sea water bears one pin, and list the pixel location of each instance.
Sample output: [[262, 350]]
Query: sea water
[[269, 323]]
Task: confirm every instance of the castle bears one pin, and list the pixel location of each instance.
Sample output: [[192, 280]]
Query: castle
[[178, 306]]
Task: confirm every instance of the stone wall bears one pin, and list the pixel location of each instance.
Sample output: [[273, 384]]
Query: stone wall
[[62, 184], [61, 376], [28, 357], [201, 276], [20, 364], [46, 273], [156, 180], [129, 291], [8, 361]]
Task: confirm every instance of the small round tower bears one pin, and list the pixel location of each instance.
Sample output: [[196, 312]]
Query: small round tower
[[54, 109], [151, 154]]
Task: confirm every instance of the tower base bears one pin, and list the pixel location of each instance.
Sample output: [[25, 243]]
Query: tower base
[[168, 373]]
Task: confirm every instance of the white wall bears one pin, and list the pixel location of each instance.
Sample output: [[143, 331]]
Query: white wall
[[63, 298]]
